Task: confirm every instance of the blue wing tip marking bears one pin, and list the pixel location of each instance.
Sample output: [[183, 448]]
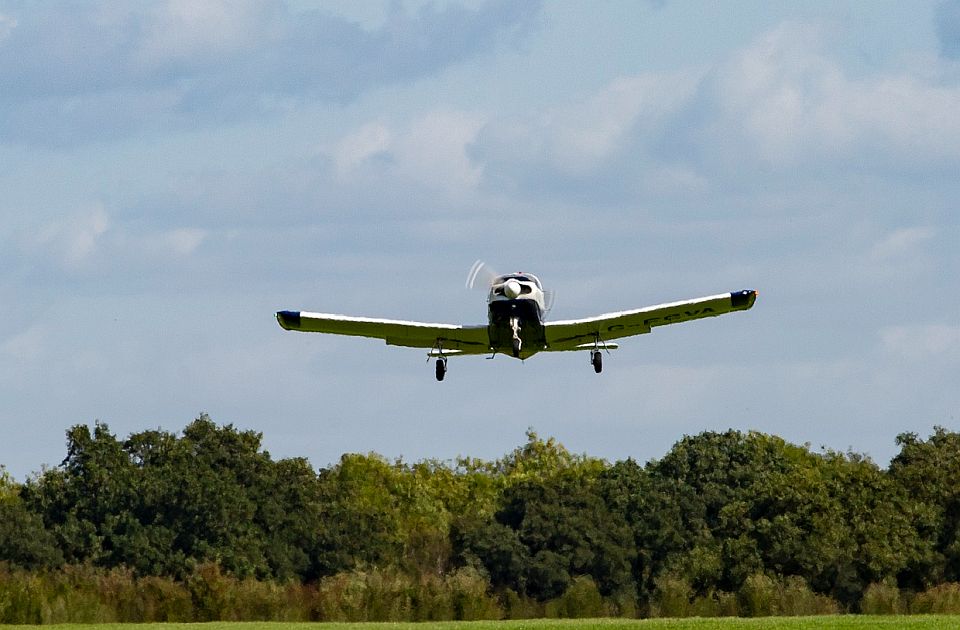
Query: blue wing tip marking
[[289, 319], [743, 299]]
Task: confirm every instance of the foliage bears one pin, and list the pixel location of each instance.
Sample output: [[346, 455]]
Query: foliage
[[24, 541], [882, 598], [943, 599], [204, 525], [927, 471]]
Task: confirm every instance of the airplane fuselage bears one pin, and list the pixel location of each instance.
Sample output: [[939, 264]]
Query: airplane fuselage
[[515, 310]]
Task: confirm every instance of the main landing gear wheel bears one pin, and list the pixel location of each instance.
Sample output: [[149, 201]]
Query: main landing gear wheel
[[441, 368], [597, 360]]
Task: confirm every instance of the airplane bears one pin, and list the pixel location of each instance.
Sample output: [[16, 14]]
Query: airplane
[[516, 326]]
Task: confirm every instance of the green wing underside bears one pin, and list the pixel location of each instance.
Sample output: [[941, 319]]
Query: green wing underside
[[574, 334], [452, 338]]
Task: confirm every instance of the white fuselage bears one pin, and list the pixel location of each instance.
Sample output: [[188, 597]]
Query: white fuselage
[[515, 308]]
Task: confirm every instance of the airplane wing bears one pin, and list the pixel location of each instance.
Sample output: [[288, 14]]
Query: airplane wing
[[452, 338], [582, 334]]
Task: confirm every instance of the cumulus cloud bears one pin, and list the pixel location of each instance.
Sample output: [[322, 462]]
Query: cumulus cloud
[[74, 239], [903, 243], [923, 342], [25, 345], [7, 24], [369, 141], [791, 104], [187, 63], [183, 241], [579, 138], [429, 151], [782, 104], [434, 150], [181, 31]]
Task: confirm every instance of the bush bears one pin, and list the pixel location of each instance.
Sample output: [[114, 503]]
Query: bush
[[470, 595], [671, 597], [758, 596], [715, 604], [210, 592], [580, 601], [938, 600], [22, 597], [366, 596], [881, 598], [253, 600], [796, 599], [516, 606], [83, 594], [161, 600]]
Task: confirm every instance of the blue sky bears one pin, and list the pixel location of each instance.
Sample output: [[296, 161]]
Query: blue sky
[[173, 173]]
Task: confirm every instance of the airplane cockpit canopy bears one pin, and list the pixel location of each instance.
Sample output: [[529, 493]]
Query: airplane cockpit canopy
[[522, 277]]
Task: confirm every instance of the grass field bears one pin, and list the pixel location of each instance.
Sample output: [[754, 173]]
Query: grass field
[[840, 622]]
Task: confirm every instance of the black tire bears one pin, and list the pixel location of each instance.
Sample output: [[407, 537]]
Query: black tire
[[597, 360], [516, 347], [441, 369]]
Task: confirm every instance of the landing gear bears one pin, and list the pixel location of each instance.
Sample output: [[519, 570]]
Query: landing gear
[[597, 360], [517, 343], [437, 351]]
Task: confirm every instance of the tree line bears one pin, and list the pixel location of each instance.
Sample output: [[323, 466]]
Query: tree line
[[206, 525]]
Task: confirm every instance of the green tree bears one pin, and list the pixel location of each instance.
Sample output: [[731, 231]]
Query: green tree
[[87, 501], [720, 507], [361, 512], [24, 541], [927, 471], [162, 504], [551, 525]]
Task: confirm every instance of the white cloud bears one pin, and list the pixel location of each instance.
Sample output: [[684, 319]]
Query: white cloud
[[793, 103], [579, 138], [26, 345], [181, 30], [224, 60], [370, 140], [430, 150], [906, 242], [434, 150], [780, 103], [75, 239], [923, 342], [7, 24], [183, 241]]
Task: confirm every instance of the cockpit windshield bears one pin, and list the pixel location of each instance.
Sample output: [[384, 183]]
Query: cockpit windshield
[[522, 277]]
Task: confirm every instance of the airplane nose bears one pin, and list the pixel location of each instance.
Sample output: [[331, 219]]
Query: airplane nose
[[511, 289]]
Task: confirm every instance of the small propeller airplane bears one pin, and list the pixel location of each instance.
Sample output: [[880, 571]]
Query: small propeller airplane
[[516, 307]]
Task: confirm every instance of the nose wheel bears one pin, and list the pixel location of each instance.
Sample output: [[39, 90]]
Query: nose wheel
[[441, 368]]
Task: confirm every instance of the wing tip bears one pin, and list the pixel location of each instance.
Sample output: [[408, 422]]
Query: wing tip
[[743, 300], [289, 320]]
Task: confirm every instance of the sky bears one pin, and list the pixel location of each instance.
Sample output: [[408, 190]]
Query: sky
[[173, 173]]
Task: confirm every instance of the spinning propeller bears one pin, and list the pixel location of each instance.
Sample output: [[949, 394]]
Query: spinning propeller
[[481, 276]]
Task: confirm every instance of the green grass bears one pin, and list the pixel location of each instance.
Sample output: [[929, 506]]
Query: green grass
[[839, 622]]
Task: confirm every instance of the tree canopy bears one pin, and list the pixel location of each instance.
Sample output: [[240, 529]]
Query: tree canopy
[[717, 510]]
